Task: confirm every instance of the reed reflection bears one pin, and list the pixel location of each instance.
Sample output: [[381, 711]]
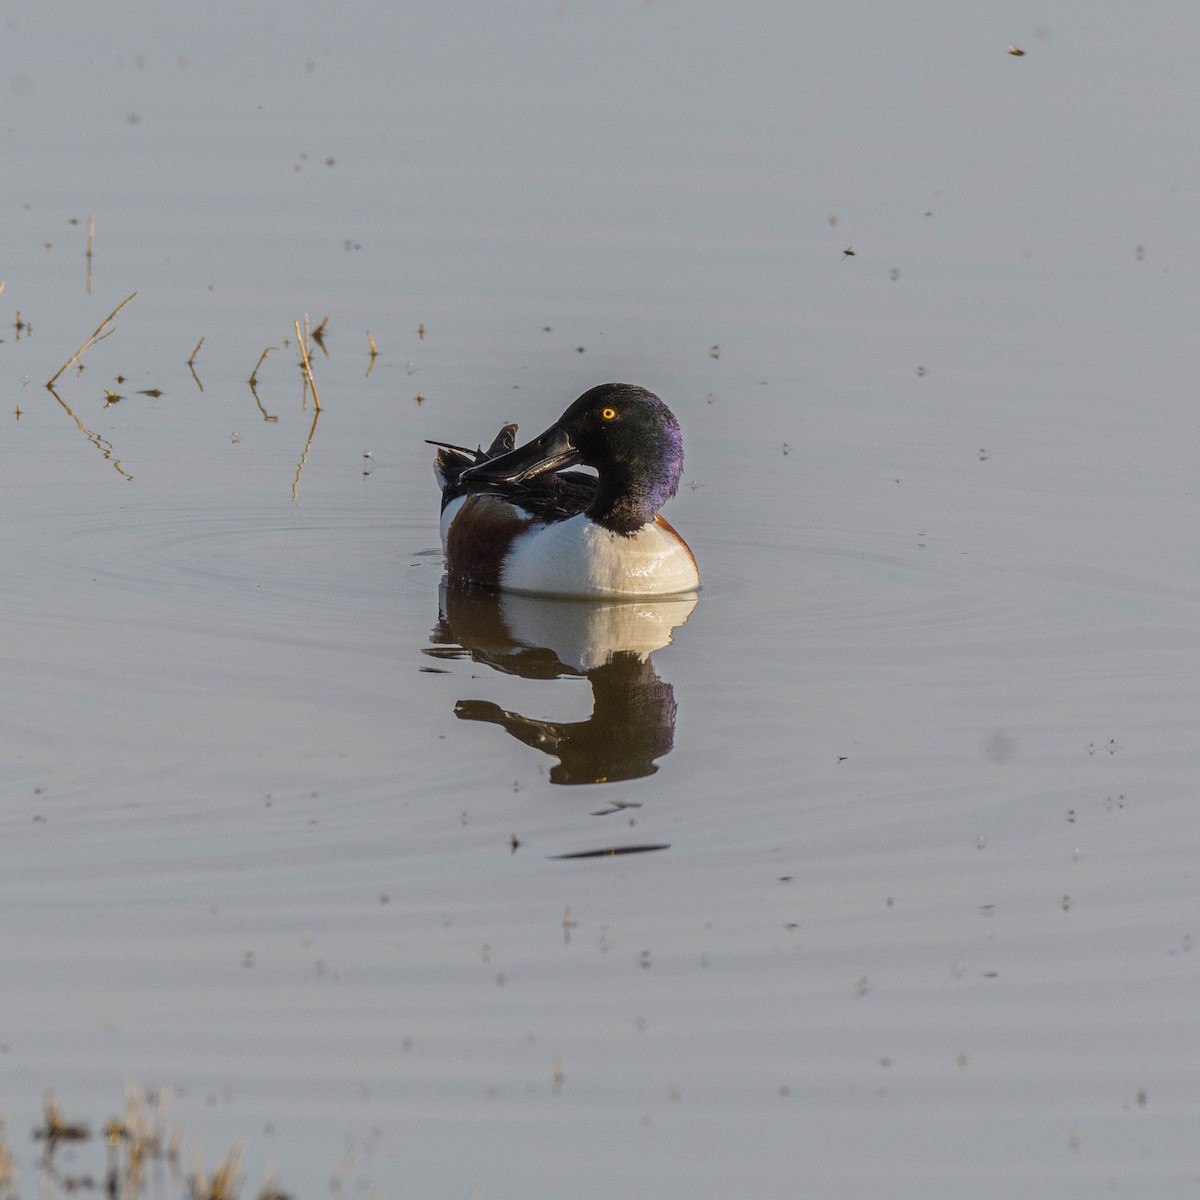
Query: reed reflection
[[632, 723]]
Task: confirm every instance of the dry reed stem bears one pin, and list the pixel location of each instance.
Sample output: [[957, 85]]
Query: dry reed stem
[[195, 352], [222, 1184], [97, 336], [266, 416], [261, 359], [307, 365]]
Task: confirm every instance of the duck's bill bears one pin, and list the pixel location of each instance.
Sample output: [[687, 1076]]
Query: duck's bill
[[552, 451]]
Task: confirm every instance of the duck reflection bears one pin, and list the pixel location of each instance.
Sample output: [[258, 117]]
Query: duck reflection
[[609, 643]]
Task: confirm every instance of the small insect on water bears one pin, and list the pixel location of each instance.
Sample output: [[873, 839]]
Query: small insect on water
[[1015, 51]]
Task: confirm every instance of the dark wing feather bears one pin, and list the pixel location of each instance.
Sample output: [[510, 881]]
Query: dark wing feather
[[451, 460], [554, 496]]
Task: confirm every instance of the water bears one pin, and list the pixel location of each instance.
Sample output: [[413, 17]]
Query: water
[[910, 789]]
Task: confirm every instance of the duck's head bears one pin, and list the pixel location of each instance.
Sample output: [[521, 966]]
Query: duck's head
[[626, 433]]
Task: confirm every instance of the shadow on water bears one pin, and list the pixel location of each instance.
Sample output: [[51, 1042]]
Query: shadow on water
[[609, 643]]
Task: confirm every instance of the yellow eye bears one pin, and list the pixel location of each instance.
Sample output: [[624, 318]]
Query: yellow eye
[[608, 413]]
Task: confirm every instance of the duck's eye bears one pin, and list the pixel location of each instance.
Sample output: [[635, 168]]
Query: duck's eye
[[608, 414]]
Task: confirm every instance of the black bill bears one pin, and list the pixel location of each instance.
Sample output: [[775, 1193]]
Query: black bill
[[549, 452]]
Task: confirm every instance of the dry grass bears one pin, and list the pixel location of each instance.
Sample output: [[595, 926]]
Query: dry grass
[[262, 358], [143, 1157], [98, 335], [54, 1129], [222, 1183], [307, 364]]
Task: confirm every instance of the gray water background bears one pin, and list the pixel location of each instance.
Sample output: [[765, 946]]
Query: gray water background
[[925, 922]]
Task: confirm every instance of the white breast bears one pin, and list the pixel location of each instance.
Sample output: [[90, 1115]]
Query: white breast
[[578, 558], [448, 515]]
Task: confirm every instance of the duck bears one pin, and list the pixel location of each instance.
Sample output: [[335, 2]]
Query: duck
[[517, 519]]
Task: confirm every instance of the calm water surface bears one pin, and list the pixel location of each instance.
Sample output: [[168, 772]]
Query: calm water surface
[[302, 835]]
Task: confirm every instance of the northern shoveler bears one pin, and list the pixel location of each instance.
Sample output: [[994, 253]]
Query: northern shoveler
[[515, 519]]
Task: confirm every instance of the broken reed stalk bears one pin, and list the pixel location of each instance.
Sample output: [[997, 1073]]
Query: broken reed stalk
[[307, 365], [261, 359], [253, 381], [371, 343], [97, 336], [191, 364]]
